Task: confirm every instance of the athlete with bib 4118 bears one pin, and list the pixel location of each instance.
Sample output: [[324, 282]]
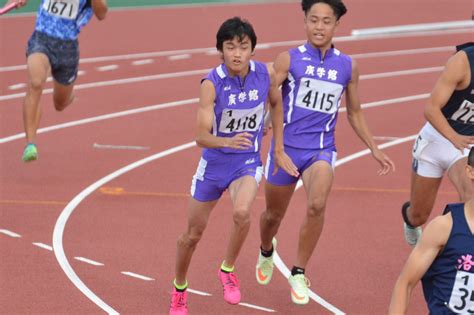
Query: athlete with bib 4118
[[229, 129], [54, 47], [443, 143], [314, 77]]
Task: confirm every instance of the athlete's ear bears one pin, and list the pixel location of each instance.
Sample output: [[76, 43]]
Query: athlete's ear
[[253, 53], [470, 172]]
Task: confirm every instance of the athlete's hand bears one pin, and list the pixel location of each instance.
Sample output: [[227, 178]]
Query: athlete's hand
[[284, 161], [462, 142], [384, 161], [19, 3], [241, 141]]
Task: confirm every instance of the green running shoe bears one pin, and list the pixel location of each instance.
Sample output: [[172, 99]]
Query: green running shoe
[[299, 289], [30, 153]]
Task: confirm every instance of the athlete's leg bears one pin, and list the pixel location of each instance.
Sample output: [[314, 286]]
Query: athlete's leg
[[198, 216], [242, 192], [38, 68], [317, 180], [457, 175], [63, 95], [277, 199], [422, 197]]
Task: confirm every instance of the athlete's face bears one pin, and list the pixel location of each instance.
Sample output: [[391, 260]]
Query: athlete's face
[[320, 25], [237, 55]]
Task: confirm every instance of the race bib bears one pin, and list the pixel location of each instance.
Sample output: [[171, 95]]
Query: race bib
[[66, 9], [318, 96], [462, 297], [241, 120], [465, 113]]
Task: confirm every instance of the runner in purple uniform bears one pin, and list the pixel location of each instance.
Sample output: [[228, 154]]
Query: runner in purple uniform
[[230, 128], [313, 76]]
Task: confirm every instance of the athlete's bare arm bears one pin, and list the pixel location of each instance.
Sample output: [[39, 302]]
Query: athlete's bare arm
[[281, 67], [456, 76], [276, 113], [432, 241], [19, 3], [100, 8], [358, 123], [205, 117]]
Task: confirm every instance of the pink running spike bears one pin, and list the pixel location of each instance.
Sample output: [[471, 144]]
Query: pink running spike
[[179, 304], [231, 287]]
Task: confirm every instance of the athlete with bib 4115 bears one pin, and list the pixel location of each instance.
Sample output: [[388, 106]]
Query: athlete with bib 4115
[[444, 141], [54, 47], [314, 77]]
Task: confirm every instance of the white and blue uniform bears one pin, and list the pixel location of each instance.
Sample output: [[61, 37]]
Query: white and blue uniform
[[448, 284], [57, 28], [433, 154], [63, 19], [311, 99], [239, 107]]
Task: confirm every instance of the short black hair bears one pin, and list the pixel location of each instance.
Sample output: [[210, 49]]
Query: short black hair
[[337, 6], [235, 27], [470, 159], [464, 46]]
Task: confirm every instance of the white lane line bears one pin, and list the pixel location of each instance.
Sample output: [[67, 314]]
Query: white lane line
[[142, 62], [212, 50], [17, 86], [103, 117], [118, 82], [9, 233], [400, 73], [44, 246], [384, 138], [81, 72], [404, 52], [179, 57], [397, 100], [414, 71], [119, 147], [185, 102], [279, 262], [107, 68], [260, 308], [198, 292], [89, 261], [49, 79], [136, 275], [441, 26], [67, 211]]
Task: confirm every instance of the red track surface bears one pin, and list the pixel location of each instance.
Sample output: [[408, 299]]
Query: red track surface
[[361, 251]]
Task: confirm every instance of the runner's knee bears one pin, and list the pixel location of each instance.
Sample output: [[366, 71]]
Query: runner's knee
[[241, 217], [273, 216], [36, 84], [316, 207], [192, 236]]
